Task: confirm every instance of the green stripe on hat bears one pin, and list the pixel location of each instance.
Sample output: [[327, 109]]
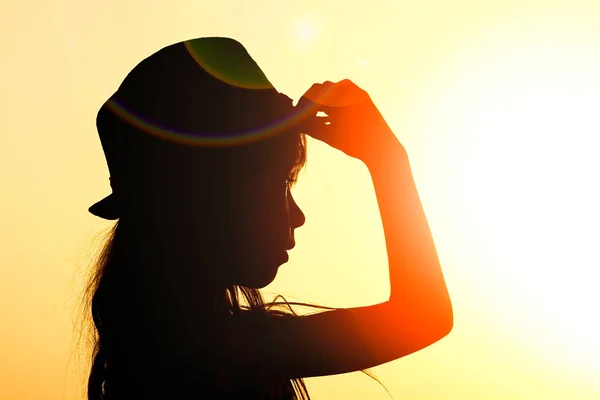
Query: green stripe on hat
[[227, 60]]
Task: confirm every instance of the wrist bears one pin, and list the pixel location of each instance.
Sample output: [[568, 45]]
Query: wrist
[[386, 151]]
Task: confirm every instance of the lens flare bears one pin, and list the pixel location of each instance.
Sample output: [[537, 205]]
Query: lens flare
[[284, 123], [239, 71]]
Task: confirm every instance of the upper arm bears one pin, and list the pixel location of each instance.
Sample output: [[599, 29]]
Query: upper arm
[[330, 342]]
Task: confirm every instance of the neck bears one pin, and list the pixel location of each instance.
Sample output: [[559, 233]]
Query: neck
[[182, 266]]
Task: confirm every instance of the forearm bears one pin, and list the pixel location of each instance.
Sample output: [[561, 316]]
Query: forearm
[[417, 288]]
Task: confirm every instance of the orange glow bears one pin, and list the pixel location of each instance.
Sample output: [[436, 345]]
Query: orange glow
[[495, 102]]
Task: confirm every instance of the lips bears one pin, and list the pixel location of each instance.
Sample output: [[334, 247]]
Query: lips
[[286, 257]]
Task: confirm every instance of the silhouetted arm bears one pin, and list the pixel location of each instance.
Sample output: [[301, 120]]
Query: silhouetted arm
[[417, 314]]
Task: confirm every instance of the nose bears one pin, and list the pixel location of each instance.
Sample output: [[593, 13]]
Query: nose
[[297, 217]]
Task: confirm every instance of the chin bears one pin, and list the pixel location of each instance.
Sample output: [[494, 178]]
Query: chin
[[258, 280]]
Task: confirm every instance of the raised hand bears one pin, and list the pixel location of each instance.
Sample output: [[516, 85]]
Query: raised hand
[[353, 123]]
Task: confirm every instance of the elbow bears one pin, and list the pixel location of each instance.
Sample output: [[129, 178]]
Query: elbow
[[435, 320], [442, 326], [436, 326], [446, 329], [447, 321], [440, 318], [413, 331], [418, 327], [432, 333], [443, 318], [449, 327], [423, 337]]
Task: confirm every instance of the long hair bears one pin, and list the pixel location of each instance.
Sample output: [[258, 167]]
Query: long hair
[[107, 275], [106, 278], [99, 285]]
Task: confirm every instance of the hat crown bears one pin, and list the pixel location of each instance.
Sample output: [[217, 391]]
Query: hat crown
[[204, 92]]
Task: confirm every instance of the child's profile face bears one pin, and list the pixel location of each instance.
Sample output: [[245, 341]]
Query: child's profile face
[[263, 215]]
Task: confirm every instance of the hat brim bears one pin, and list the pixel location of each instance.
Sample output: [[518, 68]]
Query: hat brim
[[106, 208]]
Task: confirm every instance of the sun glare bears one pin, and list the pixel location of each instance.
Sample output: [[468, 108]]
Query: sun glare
[[305, 31], [307, 34], [527, 128]]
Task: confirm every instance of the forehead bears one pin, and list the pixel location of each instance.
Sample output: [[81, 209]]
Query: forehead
[[279, 151], [272, 161]]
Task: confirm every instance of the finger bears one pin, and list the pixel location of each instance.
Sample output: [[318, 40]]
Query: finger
[[349, 89], [315, 121], [347, 84], [307, 107], [318, 88], [315, 126], [318, 92], [319, 131]]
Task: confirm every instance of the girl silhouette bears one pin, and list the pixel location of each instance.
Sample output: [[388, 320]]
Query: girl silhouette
[[202, 153]]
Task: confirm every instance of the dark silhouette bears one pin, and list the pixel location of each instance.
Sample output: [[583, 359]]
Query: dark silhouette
[[202, 152]]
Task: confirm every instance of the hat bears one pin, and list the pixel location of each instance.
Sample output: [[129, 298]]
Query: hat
[[205, 92]]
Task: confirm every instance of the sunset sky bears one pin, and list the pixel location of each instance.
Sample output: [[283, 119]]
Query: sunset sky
[[496, 102]]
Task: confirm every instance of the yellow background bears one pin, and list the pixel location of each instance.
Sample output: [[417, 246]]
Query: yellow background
[[497, 103]]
